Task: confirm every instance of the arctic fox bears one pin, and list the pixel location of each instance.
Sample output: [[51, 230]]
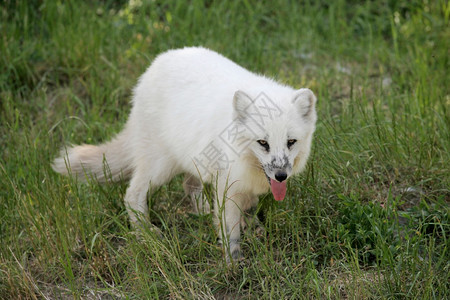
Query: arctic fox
[[198, 113]]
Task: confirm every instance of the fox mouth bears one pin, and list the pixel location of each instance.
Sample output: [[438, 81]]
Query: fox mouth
[[267, 176], [277, 188]]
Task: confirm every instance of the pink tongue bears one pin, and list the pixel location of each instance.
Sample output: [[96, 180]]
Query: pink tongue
[[278, 189]]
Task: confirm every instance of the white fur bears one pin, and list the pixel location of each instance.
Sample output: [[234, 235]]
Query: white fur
[[183, 103]]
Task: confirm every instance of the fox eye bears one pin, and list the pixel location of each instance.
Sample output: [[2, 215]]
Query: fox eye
[[264, 143], [291, 142]]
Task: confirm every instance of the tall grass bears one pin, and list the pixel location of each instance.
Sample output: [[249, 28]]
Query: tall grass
[[369, 218]]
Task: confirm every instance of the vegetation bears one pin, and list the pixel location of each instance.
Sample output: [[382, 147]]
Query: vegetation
[[368, 219]]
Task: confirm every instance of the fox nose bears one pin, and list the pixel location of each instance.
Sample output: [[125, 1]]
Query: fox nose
[[280, 176]]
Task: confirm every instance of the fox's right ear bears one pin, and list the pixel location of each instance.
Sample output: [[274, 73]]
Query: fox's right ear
[[305, 100], [241, 103]]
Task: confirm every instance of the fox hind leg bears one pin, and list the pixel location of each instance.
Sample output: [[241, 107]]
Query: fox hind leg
[[193, 188], [146, 177], [249, 220]]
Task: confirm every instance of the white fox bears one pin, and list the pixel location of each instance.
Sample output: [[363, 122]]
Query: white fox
[[198, 113]]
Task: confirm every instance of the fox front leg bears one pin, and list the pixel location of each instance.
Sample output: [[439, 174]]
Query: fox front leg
[[228, 217]]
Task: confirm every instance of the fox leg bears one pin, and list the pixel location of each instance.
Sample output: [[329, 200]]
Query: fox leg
[[249, 221], [136, 196], [193, 188], [228, 216], [147, 176]]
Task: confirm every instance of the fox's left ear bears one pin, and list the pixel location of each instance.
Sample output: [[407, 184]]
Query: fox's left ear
[[305, 101]]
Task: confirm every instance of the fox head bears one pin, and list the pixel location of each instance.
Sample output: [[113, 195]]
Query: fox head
[[278, 130]]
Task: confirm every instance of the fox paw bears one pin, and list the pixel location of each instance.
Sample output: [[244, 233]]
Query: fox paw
[[234, 254]]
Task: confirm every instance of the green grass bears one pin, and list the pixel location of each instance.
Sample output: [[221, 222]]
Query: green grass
[[369, 218]]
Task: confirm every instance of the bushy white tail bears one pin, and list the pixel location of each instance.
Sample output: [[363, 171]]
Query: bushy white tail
[[109, 161]]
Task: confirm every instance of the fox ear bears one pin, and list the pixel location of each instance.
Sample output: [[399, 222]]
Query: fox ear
[[305, 101], [241, 103]]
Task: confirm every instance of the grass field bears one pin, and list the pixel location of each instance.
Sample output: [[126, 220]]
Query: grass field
[[368, 219]]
